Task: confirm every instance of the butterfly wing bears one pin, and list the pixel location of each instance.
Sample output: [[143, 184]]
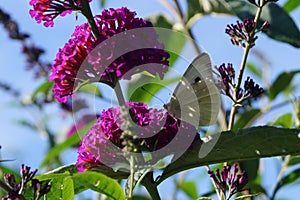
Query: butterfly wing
[[196, 98]]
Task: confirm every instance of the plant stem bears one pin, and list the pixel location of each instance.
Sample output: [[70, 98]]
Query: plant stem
[[86, 11], [131, 178], [119, 94], [243, 65]]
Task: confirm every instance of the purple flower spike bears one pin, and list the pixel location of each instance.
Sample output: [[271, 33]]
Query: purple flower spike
[[229, 179], [240, 33], [47, 10]]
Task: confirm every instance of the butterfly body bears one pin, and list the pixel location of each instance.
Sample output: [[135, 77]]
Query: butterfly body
[[196, 99]]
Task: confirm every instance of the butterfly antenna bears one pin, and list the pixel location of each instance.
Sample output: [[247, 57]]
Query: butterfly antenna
[[152, 95]]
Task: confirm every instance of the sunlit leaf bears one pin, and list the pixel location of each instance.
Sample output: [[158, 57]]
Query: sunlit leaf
[[68, 189], [286, 121], [291, 5], [102, 2], [71, 141], [144, 88], [91, 89], [189, 188], [254, 69], [281, 83], [247, 118], [100, 183], [43, 88], [205, 7]]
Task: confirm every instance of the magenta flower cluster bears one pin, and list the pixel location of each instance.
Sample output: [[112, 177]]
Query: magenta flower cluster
[[103, 61], [47, 10], [103, 144]]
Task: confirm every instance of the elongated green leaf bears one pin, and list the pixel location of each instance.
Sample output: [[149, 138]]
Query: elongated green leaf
[[148, 87], [6, 170], [286, 121], [291, 5], [205, 7], [43, 88], [100, 183], [282, 28], [246, 144], [71, 141], [91, 89], [189, 188], [288, 179], [281, 83], [68, 189], [294, 160], [247, 118], [254, 69], [103, 3], [56, 191], [161, 21]]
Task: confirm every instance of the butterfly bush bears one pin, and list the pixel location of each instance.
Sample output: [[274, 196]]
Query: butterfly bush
[[104, 63], [155, 129], [229, 179], [17, 190], [47, 10]]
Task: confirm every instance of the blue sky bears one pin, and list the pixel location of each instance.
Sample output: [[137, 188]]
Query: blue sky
[[26, 146]]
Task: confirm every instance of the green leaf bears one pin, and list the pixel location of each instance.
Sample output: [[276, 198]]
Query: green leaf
[[206, 7], [189, 188], [161, 21], [246, 144], [144, 88], [100, 183], [57, 185], [286, 121], [247, 118], [71, 141], [281, 83], [6, 170], [255, 70], [27, 124], [44, 88], [174, 41], [288, 179], [91, 89], [68, 189], [294, 160], [140, 197], [251, 167], [103, 3], [282, 26], [47, 176], [291, 5]]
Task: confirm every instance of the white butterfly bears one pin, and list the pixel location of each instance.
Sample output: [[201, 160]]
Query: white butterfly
[[196, 99]]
